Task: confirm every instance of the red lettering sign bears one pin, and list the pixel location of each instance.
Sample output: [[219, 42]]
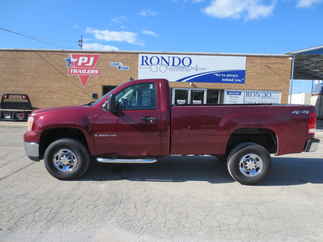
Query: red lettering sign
[[83, 66]]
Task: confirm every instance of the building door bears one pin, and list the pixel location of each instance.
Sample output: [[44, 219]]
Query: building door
[[214, 96], [106, 89]]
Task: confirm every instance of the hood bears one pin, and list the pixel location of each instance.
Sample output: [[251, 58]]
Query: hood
[[60, 109]]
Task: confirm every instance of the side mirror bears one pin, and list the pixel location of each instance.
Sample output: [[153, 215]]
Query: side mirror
[[111, 104]]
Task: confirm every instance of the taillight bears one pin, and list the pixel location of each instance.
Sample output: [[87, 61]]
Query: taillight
[[30, 123], [311, 123]]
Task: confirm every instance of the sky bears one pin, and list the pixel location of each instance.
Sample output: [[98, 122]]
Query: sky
[[223, 26]]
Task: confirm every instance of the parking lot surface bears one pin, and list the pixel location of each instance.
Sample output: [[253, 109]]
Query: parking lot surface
[[191, 199]]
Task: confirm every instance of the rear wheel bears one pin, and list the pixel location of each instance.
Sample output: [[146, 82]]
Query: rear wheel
[[249, 164], [66, 159]]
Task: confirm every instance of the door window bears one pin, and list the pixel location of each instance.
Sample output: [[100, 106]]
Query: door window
[[138, 97]]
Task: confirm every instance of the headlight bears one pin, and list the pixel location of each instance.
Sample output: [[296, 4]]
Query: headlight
[[30, 123]]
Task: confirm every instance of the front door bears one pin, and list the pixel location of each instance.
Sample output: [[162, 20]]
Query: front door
[[136, 129]]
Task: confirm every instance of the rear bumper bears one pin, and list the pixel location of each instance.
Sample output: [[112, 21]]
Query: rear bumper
[[32, 150], [312, 145], [16, 115]]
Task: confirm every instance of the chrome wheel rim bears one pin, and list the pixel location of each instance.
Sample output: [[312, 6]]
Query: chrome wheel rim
[[65, 160], [251, 165]]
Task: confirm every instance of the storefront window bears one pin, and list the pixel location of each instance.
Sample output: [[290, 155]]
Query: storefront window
[[195, 96], [181, 96]]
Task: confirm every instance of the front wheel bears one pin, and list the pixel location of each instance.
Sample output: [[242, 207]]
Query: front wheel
[[66, 159], [249, 164]]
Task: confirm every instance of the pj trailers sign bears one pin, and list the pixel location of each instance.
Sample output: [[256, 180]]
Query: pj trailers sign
[[83, 66], [193, 68]]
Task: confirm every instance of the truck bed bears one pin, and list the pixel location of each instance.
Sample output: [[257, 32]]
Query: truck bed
[[208, 128]]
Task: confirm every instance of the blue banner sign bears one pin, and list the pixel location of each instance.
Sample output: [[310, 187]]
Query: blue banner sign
[[193, 68]]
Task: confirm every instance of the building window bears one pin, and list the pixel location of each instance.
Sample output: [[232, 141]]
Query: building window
[[180, 96], [196, 96]]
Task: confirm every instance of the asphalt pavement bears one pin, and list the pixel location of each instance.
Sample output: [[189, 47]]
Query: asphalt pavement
[[191, 199]]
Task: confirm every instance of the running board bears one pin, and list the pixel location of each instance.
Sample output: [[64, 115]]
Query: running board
[[126, 161]]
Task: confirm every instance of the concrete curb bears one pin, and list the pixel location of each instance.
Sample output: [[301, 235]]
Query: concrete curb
[[13, 124]]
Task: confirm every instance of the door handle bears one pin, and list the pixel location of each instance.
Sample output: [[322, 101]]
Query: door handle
[[149, 119]]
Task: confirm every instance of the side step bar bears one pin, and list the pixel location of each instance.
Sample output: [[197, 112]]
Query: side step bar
[[126, 161]]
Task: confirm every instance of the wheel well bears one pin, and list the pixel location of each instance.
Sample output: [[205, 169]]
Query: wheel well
[[50, 135], [263, 137]]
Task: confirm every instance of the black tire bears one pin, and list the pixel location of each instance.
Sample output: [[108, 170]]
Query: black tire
[[221, 158], [78, 151], [242, 152]]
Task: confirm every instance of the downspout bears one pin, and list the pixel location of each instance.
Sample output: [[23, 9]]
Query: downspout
[[291, 79]]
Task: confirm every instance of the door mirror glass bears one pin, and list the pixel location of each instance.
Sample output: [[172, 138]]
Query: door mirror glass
[[111, 105]]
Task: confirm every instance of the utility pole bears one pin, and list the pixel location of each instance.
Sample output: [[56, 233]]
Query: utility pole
[[80, 42]]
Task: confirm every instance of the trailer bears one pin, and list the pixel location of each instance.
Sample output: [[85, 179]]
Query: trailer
[[15, 107]]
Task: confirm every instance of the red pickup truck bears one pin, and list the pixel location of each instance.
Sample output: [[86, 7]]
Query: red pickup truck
[[135, 123]]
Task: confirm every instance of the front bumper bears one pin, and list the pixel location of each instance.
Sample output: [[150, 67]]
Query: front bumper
[[312, 145], [32, 150]]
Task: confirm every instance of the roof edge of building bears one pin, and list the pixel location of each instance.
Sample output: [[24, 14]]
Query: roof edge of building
[[305, 50], [146, 52]]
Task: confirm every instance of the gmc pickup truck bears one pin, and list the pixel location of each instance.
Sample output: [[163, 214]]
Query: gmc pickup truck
[[135, 123]]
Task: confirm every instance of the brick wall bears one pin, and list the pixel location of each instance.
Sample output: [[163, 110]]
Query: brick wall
[[43, 76]]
